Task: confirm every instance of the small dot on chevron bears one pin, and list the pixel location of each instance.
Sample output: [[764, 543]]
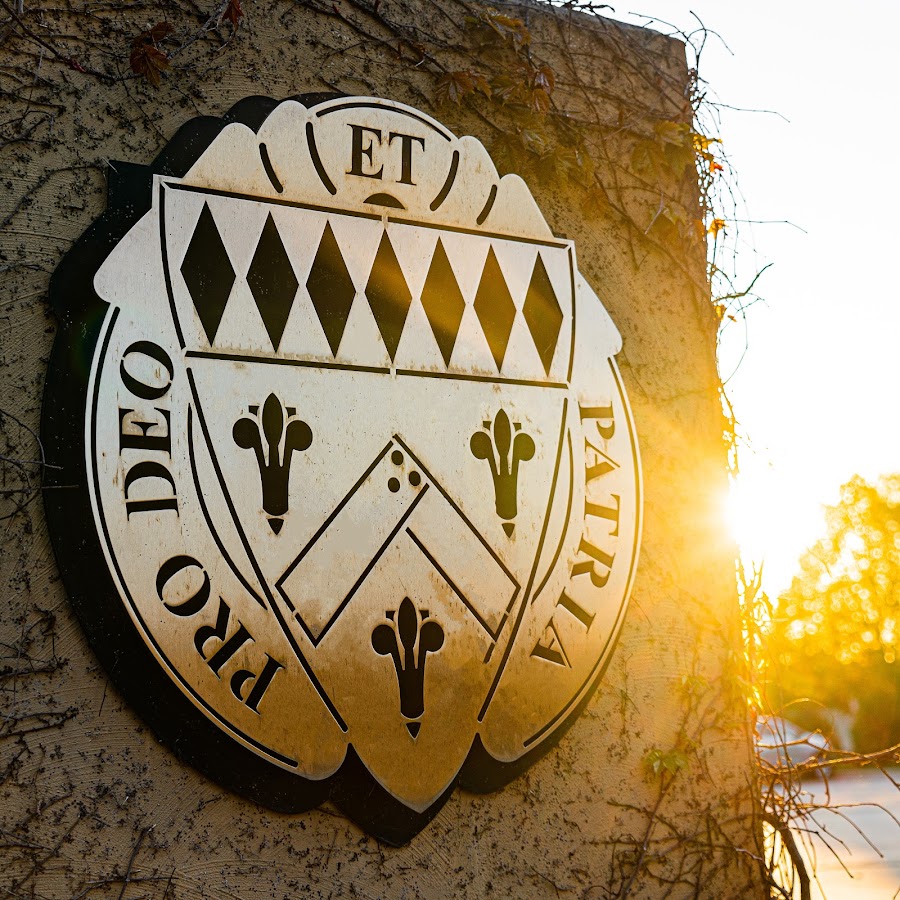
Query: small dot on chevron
[[415, 479], [394, 485], [397, 458]]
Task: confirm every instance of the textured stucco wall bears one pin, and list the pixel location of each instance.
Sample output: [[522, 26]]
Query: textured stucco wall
[[90, 803]]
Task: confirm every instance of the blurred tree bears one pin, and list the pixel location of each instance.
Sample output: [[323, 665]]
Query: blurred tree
[[835, 636]]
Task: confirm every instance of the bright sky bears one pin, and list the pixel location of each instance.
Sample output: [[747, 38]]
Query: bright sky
[[817, 391]]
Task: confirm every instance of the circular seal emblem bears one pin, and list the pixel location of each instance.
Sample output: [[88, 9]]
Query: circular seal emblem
[[352, 501]]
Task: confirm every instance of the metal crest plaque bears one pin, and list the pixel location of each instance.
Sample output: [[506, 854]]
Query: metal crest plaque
[[349, 499]]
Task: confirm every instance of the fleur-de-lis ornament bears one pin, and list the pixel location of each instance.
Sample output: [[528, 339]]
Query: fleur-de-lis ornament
[[274, 461], [408, 638], [503, 454]]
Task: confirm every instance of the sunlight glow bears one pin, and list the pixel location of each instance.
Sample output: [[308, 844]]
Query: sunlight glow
[[774, 520]]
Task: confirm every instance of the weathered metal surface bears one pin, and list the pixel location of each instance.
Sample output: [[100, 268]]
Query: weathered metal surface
[[362, 481]]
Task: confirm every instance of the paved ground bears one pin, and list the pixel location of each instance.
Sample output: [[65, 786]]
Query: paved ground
[[873, 874]]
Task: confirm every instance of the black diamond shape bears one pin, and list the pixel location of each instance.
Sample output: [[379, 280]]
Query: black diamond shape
[[331, 289], [495, 308], [443, 301], [272, 281], [208, 273], [542, 314], [388, 295]]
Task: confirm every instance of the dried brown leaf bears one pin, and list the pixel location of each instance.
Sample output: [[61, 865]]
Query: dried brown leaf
[[234, 12], [146, 58], [149, 62]]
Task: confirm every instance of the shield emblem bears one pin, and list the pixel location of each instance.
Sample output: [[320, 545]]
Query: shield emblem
[[360, 391], [364, 472]]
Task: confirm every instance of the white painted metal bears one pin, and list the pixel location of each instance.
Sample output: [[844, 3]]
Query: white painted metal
[[388, 499]]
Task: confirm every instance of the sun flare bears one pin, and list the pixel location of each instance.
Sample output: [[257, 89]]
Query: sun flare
[[773, 521]]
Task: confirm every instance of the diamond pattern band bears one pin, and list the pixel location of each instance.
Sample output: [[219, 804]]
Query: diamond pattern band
[[264, 279]]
